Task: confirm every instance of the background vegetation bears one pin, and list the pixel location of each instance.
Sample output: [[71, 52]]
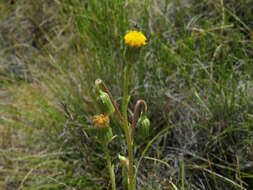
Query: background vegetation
[[196, 75]]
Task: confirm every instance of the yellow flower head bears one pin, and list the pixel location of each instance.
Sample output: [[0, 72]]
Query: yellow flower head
[[135, 39], [101, 121]]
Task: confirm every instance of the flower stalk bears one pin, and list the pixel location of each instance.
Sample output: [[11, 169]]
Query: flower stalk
[[104, 133], [127, 128], [134, 40]]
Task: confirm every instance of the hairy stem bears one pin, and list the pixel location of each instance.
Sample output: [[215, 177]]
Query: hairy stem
[[127, 131]]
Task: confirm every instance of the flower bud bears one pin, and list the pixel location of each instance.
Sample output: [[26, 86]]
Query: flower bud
[[106, 103], [124, 161], [143, 126], [125, 165]]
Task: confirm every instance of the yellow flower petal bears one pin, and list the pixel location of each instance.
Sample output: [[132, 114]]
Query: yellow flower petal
[[135, 39]]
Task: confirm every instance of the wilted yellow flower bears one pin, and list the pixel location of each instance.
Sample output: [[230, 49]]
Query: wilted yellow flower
[[101, 120], [135, 39]]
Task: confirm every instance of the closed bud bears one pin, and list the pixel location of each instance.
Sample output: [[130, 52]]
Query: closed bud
[[125, 165], [106, 103], [143, 126], [124, 161]]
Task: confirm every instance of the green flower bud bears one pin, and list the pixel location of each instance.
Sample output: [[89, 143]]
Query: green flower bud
[[124, 161], [143, 126], [125, 165], [106, 103]]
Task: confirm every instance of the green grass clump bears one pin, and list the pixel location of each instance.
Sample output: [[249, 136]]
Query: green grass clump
[[195, 73]]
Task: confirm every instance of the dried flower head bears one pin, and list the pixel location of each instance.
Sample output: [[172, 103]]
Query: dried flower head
[[101, 121], [135, 39]]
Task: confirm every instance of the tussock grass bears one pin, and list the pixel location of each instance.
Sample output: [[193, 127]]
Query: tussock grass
[[196, 75]]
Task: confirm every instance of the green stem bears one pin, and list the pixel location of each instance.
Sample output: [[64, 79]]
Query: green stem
[[127, 132], [110, 168]]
